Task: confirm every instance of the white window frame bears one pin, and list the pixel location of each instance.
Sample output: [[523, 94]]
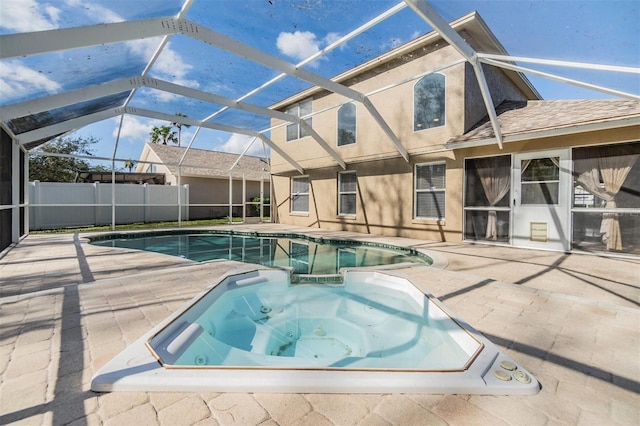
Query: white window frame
[[347, 193], [417, 191], [296, 109], [297, 194], [355, 134]]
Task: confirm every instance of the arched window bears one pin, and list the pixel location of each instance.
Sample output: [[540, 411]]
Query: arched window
[[429, 102], [347, 124]]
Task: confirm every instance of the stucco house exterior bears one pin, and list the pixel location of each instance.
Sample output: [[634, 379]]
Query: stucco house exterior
[[211, 178], [567, 176]]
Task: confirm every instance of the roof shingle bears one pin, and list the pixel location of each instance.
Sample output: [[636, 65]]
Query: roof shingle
[[521, 117], [212, 164]]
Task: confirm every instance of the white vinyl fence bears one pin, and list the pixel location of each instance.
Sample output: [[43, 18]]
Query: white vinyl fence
[[58, 205]]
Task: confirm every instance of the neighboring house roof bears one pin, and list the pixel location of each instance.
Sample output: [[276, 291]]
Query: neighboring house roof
[[120, 177], [210, 164], [520, 120]]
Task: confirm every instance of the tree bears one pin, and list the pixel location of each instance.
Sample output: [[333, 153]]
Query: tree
[[129, 165], [179, 126], [162, 134], [52, 168]]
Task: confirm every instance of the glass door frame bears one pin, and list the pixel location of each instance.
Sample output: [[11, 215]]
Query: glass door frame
[[559, 215]]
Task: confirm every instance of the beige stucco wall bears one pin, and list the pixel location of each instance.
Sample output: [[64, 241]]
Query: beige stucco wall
[[216, 191], [208, 190], [385, 180], [149, 155], [385, 189], [384, 203], [394, 104]]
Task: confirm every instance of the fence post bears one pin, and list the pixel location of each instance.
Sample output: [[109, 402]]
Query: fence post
[[113, 195], [146, 197], [96, 200], [261, 199], [230, 198], [36, 201], [186, 203], [179, 198], [244, 199]]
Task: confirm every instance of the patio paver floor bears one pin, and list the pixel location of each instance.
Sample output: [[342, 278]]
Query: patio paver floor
[[67, 307]]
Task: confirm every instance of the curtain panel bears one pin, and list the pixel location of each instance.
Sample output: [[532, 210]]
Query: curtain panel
[[613, 165], [495, 177]]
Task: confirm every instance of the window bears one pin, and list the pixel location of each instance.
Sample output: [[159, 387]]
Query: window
[[347, 192], [540, 180], [300, 194], [294, 130], [606, 201], [486, 198], [430, 190], [429, 102], [347, 124]]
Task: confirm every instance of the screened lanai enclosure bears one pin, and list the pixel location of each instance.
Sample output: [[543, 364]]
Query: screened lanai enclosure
[[220, 73]]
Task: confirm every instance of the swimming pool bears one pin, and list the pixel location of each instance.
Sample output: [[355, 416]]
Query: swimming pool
[[305, 256], [257, 331]]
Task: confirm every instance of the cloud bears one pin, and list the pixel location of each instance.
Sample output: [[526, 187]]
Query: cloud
[[302, 44], [170, 63], [333, 37], [169, 66], [237, 143], [95, 12], [28, 15], [134, 129], [298, 45], [18, 80]]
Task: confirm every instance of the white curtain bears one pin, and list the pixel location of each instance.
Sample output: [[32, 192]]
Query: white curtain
[[614, 169], [496, 181]]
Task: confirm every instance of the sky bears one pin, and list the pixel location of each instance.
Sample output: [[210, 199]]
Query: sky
[[599, 32]]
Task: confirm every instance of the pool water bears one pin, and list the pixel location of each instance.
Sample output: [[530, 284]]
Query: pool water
[[363, 323], [303, 256]]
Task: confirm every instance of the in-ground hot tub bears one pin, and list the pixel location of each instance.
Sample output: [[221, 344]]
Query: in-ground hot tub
[[257, 332]]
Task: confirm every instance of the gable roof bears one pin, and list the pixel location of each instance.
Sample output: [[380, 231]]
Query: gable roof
[[475, 31], [209, 164], [532, 119]]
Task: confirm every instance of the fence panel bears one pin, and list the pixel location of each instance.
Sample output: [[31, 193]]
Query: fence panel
[[157, 199], [58, 205]]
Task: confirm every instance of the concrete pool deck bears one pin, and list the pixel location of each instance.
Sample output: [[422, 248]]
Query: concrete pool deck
[[67, 307]]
